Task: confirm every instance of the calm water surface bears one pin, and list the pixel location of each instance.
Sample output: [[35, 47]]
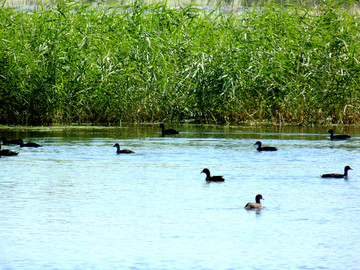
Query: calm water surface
[[75, 204]]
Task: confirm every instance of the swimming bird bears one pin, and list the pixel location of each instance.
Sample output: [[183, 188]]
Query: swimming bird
[[212, 178], [28, 144], [8, 142], [266, 148], [7, 152], [170, 131], [255, 205], [338, 137], [123, 151], [338, 175]]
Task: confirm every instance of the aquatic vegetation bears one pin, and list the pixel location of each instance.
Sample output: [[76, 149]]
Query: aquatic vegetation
[[137, 63]]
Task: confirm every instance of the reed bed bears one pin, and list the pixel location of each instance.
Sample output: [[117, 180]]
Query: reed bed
[[70, 63]]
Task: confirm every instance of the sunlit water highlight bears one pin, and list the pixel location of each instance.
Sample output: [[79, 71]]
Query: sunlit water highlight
[[75, 204]]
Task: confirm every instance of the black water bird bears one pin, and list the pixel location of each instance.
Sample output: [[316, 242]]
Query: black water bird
[[123, 151], [266, 148], [255, 205], [28, 144], [8, 142], [170, 131], [338, 175], [7, 152], [212, 178], [338, 137]]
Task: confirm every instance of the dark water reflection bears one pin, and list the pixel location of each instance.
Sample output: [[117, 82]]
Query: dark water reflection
[[75, 204], [151, 130]]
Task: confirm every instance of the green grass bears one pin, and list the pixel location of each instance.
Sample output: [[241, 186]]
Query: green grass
[[140, 63]]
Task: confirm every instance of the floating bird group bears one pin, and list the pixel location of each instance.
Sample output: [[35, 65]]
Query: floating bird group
[[20, 142], [257, 204], [249, 206]]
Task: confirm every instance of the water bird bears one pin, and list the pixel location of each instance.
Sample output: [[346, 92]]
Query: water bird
[[266, 148], [8, 142], [338, 137], [123, 151], [338, 175], [255, 205], [170, 131], [212, 178], [28, 144], [7, 152]]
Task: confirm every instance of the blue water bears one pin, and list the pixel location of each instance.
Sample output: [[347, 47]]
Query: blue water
[[75, 204]]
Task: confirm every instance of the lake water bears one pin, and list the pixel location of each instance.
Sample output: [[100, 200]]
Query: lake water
[[75, 204]]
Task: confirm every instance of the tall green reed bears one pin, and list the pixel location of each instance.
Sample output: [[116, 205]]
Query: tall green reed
[[73, 63]]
